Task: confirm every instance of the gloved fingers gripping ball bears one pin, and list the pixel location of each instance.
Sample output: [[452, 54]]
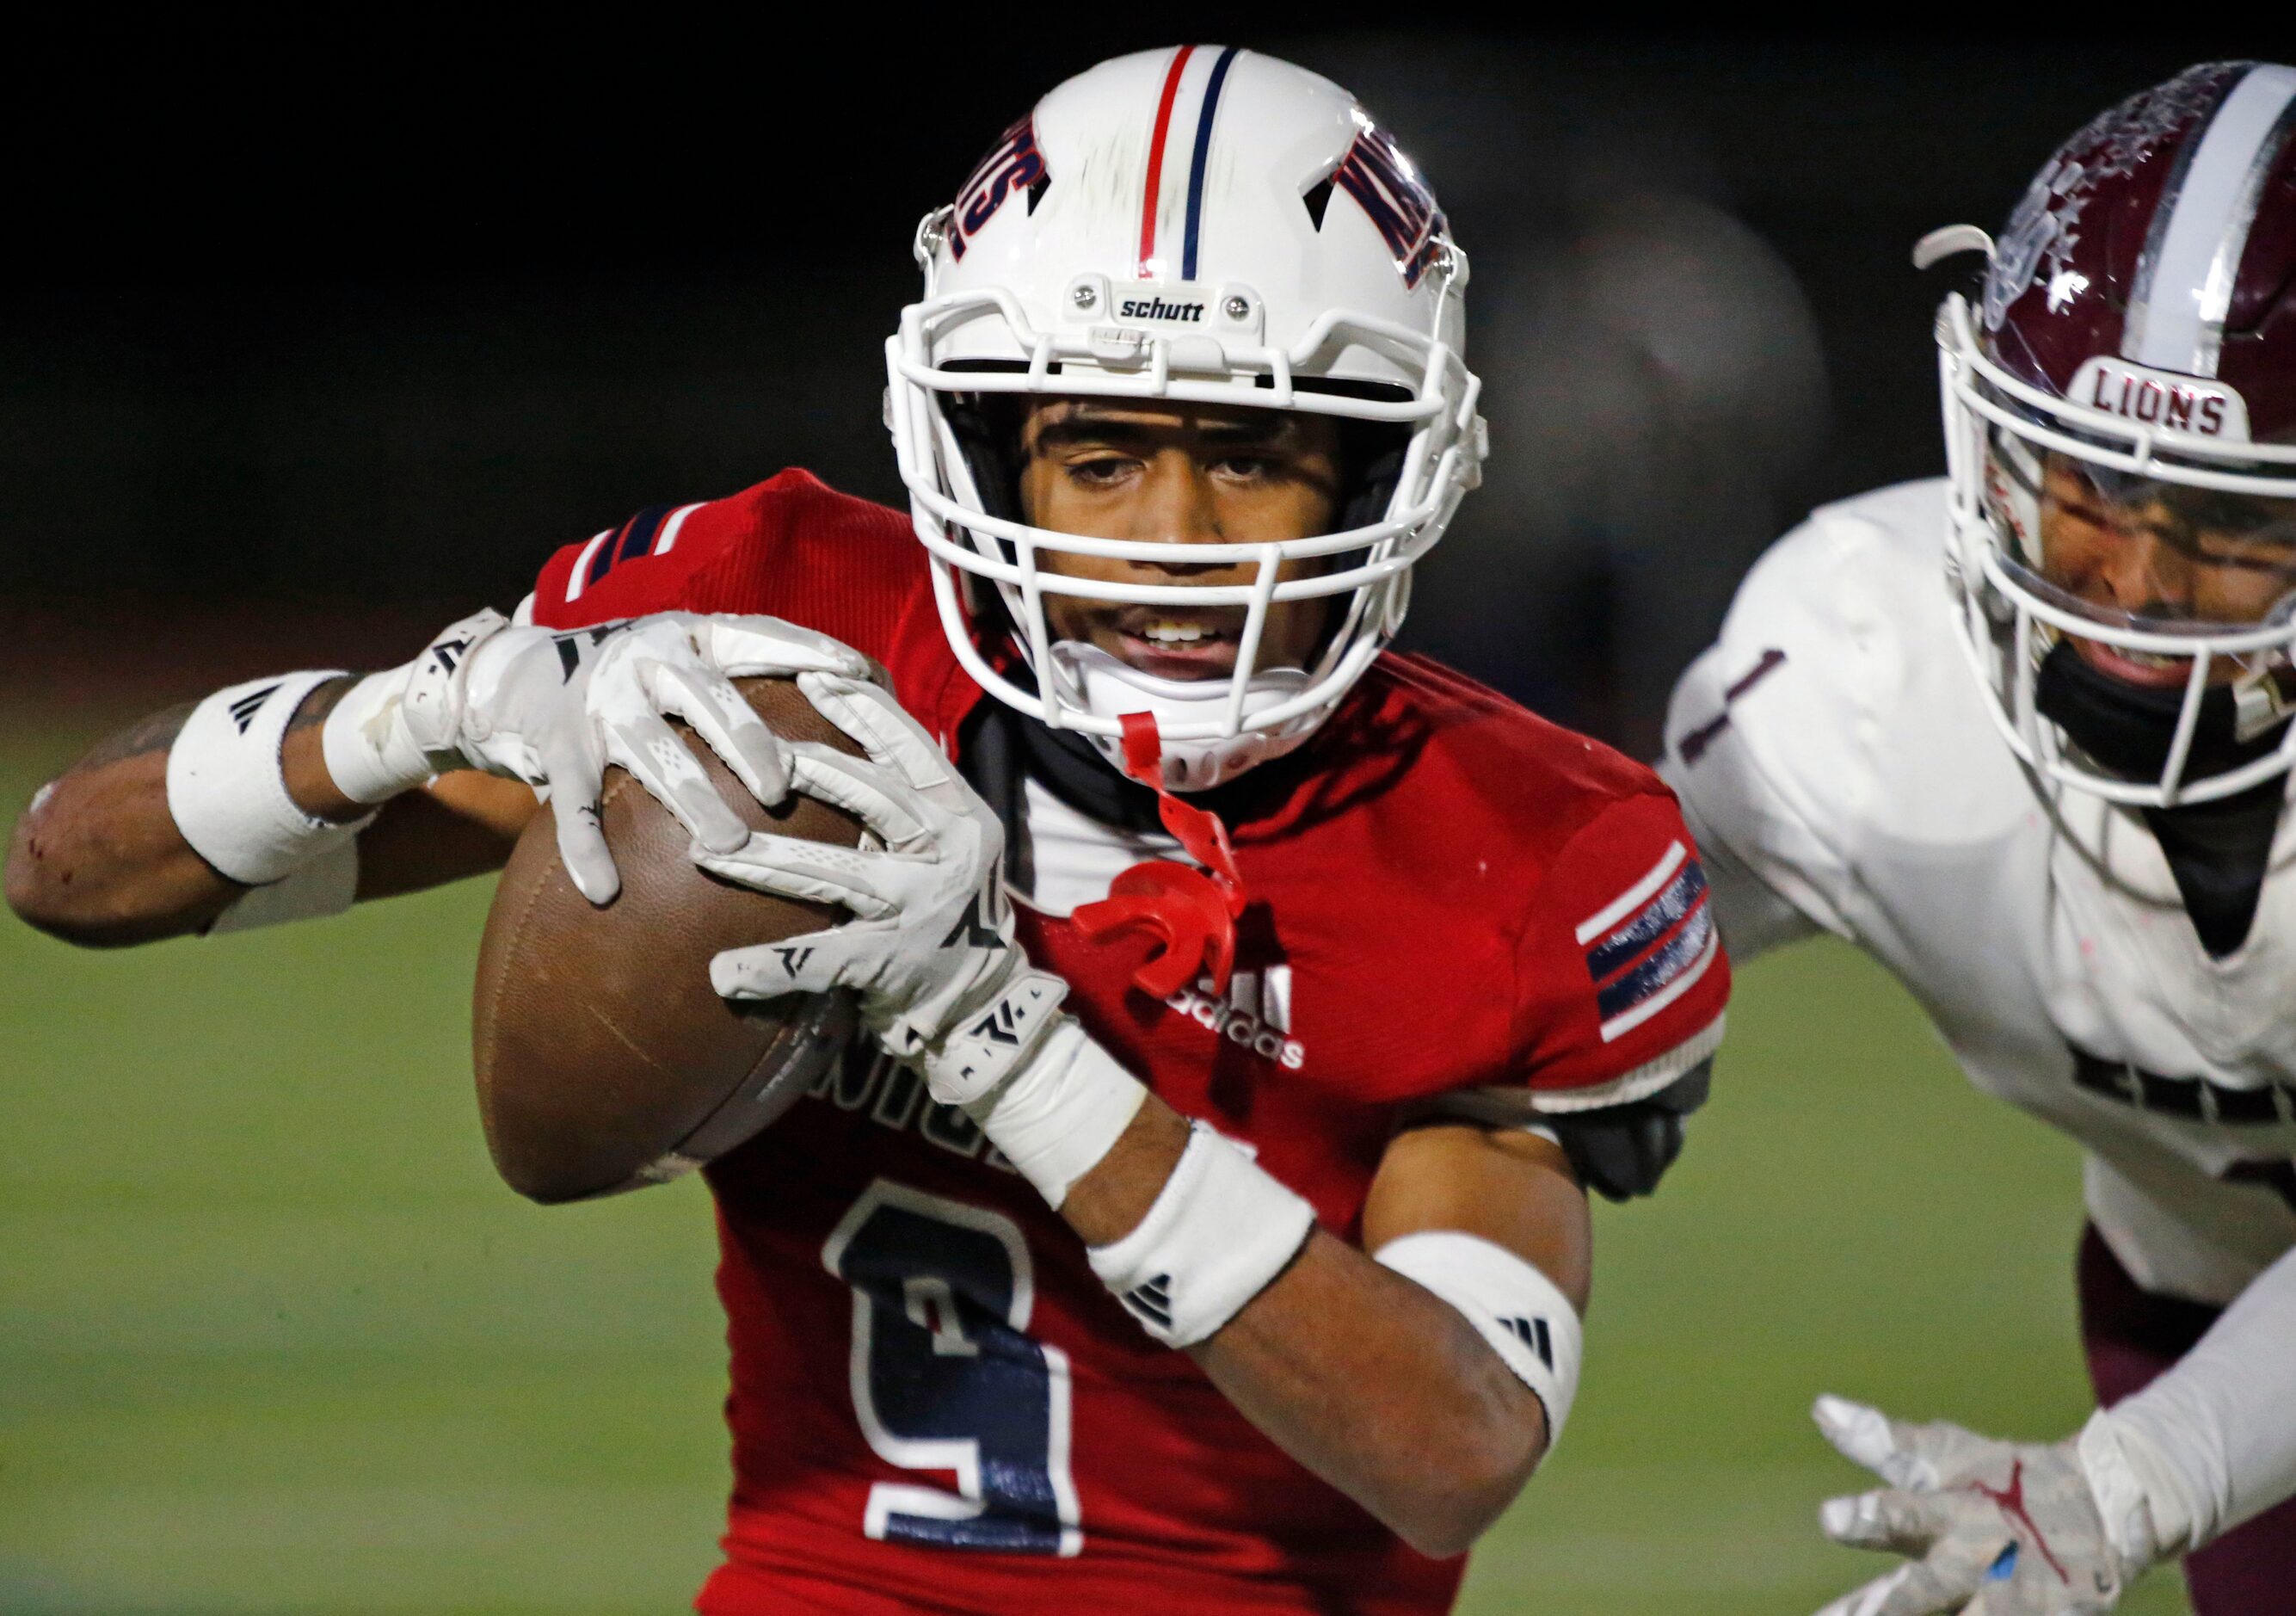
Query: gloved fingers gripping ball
[[604, 1058], [932, 956], [556, 707]]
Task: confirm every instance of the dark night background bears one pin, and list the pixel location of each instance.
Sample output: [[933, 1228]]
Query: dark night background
[[381, 319]]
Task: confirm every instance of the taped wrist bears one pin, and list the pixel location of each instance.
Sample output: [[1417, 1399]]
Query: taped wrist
[[1522, 1313], [226, 791], [1061, 1111], [2139, 1496], [1221, 1230], [369, 755], [392, 731], [989, 1041]]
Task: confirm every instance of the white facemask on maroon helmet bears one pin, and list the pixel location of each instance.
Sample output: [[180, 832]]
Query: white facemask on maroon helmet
[[1203, 224], [2120, 429]]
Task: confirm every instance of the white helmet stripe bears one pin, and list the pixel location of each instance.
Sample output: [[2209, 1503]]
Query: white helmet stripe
[[2200, 236]]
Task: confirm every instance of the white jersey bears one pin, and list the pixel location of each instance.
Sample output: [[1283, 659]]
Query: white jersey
[[1840, 767]]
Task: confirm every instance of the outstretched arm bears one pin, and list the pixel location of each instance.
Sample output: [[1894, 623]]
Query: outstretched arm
[[248, 797], [98, 859]]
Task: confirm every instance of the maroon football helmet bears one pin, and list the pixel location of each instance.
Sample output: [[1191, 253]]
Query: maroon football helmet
[[2121, 426]]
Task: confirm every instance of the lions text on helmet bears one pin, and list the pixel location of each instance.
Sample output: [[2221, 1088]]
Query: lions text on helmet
[[2120, 426]]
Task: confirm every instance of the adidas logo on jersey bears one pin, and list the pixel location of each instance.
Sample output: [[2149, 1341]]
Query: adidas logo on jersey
[[1256, 1014]]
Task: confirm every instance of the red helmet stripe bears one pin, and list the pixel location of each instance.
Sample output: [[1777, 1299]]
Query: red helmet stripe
[[1156, 154]]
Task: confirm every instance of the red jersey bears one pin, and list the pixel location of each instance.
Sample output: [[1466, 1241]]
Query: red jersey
[[935, 1406]]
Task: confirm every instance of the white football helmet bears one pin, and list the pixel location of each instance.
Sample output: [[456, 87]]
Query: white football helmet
[[1204, 225]]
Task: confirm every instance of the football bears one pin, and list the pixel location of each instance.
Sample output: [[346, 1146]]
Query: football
[[604, 1060]]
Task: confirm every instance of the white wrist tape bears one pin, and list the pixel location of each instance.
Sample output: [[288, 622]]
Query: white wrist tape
[[989, 1042], [2140, 1500], [369, 755], [1220, 1231], [392, 731], [226, 791], [1522, 1313], [1061, 1111]]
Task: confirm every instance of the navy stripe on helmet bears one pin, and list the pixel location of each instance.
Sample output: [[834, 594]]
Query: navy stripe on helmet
[[1202, 160]]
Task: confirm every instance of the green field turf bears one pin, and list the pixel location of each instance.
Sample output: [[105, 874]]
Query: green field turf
[[273, 1338]]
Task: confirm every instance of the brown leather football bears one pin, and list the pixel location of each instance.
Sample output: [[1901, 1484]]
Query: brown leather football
[[604, 1060]]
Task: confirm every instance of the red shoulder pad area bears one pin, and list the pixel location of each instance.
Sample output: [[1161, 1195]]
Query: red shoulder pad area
[[1562, 766], [1496, 775], [1623, 979], [790, 547]]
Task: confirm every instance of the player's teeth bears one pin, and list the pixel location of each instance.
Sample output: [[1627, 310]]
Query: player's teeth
[[1175, 633]]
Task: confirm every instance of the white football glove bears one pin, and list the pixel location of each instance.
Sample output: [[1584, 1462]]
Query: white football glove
[[929, 949], [554, 708], [1992, 1528]]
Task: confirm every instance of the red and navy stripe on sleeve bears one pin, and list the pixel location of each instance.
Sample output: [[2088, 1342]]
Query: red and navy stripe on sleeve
[[653, 531], [1624, 977], [1650, 945]]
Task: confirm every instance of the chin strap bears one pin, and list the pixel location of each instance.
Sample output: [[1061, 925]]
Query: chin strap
[[1191, 912]]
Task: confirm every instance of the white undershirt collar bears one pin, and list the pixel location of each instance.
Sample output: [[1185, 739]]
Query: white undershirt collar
[[1076, 857]]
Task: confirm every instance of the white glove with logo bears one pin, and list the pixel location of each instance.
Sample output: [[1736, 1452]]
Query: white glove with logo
[[1992, 1528], [554, 708], [929, 949]]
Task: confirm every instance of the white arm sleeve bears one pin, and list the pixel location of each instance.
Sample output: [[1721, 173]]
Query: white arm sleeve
[[2221, 1425]]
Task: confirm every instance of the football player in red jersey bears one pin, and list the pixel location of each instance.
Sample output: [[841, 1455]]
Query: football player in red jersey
[[1203, 1220]]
